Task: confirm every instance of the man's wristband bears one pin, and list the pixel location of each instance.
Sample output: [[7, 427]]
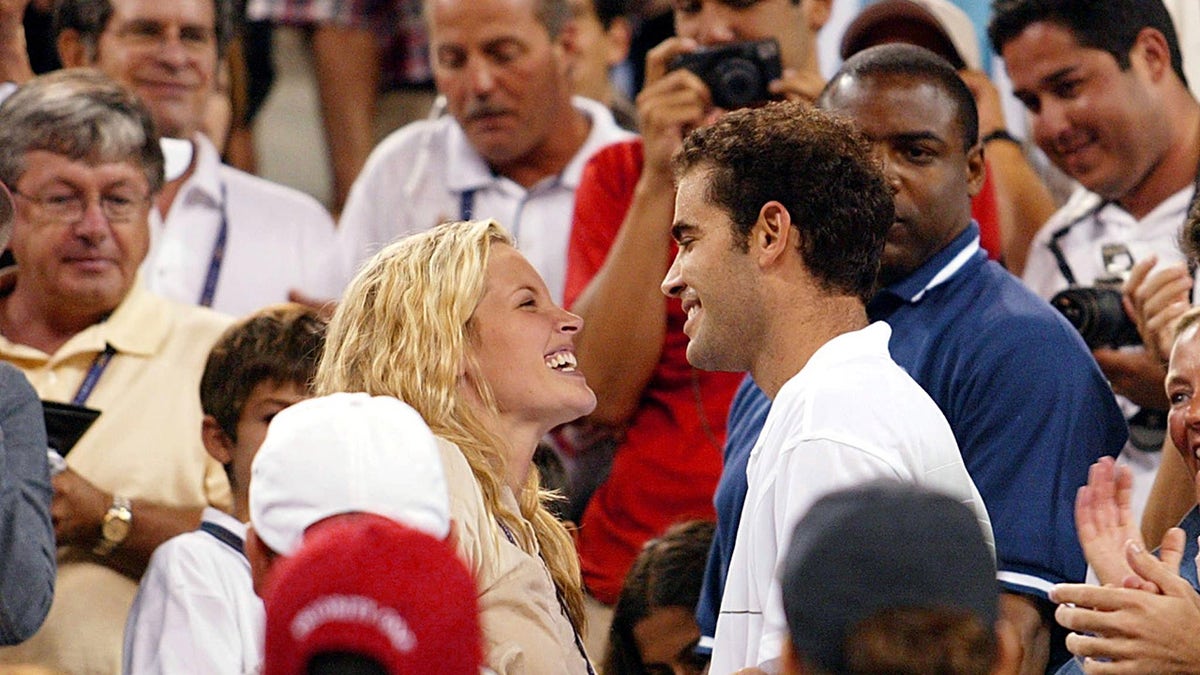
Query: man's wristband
[[1000, 135]]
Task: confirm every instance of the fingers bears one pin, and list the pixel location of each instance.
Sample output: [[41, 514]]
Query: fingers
[[658, 59], [1155, 300], [797, 86], [1158, 572], [1170, 551]]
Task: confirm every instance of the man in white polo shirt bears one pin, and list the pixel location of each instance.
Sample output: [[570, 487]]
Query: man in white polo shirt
[[512, 147], [221, 238]]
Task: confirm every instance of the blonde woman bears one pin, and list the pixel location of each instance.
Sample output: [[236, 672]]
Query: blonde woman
[[456, 322]]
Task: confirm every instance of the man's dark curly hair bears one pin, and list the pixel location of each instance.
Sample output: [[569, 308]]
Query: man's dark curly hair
[[818, 166], [1108, 25]]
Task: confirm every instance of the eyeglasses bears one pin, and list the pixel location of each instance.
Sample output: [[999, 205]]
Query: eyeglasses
[[69, 208]]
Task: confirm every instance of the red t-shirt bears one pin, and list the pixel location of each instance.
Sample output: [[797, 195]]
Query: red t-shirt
[[666, 469]]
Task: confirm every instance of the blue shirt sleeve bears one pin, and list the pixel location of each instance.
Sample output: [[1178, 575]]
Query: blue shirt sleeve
[[27, 549]]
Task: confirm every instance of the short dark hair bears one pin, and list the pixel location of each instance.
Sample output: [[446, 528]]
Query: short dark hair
[[1108, 25], [818, 166], [280, 343], [90, 17], [911, 61]]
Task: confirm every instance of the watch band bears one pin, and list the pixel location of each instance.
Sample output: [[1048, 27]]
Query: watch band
[[118, 520], [999, 135]]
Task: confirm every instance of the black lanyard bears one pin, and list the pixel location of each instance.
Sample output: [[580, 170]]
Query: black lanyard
[[562, 603], [224, 536], [466, 205], [93, 375], [1060, 258], [218, 254]]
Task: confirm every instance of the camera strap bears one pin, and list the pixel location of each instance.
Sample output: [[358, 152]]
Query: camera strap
[[1060, 258]]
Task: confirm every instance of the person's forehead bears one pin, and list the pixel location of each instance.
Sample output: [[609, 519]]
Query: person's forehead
[[202, 12], [1045, 42], [498, 16], [44, 166]]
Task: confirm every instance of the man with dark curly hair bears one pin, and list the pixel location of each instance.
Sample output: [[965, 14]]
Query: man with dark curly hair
[[780, 218]]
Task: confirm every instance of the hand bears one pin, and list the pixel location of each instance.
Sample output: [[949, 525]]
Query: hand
[[1156, 301], [1133, 630], [1104, 520], [672, 103], [1135, 374], [795, 86], [987, 100], [77, 510]]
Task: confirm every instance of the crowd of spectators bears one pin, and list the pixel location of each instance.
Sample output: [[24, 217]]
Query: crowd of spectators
[[744, 370]]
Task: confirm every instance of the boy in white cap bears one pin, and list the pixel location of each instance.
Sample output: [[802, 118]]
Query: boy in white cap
[[342, 453], [195, 610]]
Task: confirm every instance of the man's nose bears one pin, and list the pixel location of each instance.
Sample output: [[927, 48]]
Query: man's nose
[[672, 284], [481, 76], [717, 24]]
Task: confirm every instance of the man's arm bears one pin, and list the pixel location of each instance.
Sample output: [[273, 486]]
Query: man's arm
[[1171, 496], [27, 551], [624, 312], [1022, 199], [78, 511], [14, 58]]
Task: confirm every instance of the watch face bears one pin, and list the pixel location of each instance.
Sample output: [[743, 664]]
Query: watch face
[[115, 529]]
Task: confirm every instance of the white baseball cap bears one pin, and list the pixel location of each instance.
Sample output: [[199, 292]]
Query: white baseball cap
[[344, 453], [940, 15]]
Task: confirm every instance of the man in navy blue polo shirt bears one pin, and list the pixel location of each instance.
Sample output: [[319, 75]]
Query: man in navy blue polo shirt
[[1028, 406]]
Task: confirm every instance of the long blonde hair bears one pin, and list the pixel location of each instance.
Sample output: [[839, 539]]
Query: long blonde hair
[[403, 329]]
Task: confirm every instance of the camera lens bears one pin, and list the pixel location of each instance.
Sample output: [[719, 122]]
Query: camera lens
[[739, 83], [1098, 315]]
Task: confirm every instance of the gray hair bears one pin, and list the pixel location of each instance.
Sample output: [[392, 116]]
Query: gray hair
[[90, 17], [81, 114]]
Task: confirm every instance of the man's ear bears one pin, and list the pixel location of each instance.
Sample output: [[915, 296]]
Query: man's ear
[[772, 236], [567, 45], [618, 37], [218, 443], [1009, 652], [976, 169], [1150, 47], [72, 50], [261, 559]]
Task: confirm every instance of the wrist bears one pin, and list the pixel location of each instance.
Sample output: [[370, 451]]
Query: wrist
[[1000, 134], [115, 525]]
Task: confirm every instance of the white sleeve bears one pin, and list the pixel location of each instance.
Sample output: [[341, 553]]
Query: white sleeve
[[180, 621], [807, 471]]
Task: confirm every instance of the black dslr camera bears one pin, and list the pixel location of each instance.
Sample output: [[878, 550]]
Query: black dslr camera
[[737, 74], [1097, 312]]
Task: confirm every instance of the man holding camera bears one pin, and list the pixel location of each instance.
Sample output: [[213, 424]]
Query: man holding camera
[[512, 147], [668, 418], [1109, 104]]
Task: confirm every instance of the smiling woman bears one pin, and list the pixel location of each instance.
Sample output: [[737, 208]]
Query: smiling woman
[[456, 323]]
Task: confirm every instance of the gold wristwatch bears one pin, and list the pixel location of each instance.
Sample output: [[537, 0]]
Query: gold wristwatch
[[116, 525]]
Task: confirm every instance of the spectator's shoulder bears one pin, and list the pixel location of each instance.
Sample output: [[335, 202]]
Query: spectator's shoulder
[[269, 196]]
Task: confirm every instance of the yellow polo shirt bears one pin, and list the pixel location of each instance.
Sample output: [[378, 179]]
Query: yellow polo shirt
[[145, 445]]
